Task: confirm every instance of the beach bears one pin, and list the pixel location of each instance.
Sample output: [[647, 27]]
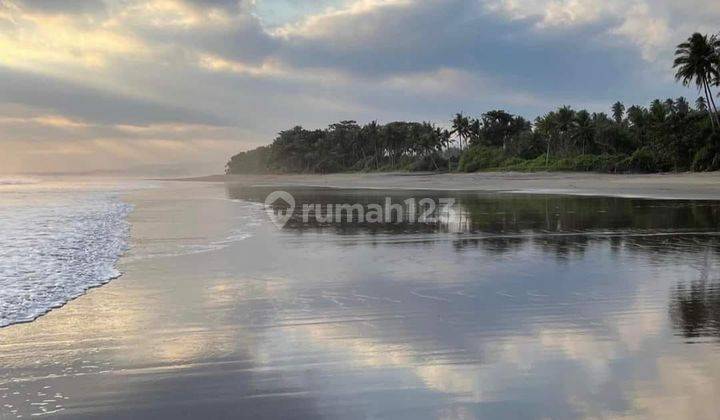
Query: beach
[[515, 305], [689, 186]]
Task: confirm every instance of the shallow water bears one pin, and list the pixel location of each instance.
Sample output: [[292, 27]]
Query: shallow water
[[513, 306], [56, 242]]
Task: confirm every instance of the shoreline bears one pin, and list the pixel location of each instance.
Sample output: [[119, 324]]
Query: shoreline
[[666, 186]]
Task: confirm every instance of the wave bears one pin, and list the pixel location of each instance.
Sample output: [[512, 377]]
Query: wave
[[56, 246]]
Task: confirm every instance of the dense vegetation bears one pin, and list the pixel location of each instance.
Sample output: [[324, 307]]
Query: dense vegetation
[[669, 135]]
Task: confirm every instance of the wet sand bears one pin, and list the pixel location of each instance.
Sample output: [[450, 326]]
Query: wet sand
[[690, 186], [518, 307]]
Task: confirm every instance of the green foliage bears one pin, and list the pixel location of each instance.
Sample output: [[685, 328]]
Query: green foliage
[[581, 163], [708, 157], [645, 160], [667, 136], [642, 160], [256, 161], [346, 146], [476, 158]]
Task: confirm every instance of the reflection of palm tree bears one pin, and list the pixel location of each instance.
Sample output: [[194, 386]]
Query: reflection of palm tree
[[696, 61], [695, 308]]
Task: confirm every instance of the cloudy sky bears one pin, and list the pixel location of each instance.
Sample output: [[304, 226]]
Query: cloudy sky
[[118, 84]]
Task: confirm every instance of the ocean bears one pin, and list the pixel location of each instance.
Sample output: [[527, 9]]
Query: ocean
[[57, 240]]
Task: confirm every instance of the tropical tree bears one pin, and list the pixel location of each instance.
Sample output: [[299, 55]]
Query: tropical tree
[[701, 104], [618, 112], [583, 131], [547, 126], [658, 110], [682, 106], [670, 105], [696, 61], [475, 130], [461, 127], [638, 117], [496, 128]]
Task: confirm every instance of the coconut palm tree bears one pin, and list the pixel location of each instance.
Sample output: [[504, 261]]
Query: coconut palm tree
[[497, 127], [658, 110], [682, 106], [696, 61], [618, 111], [701, 104], [474, 131], [461, 128], [670, 105], [565, 118], [547, 126], [583, 130]]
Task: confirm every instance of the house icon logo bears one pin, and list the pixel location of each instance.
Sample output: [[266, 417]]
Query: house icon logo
[[279, 206]]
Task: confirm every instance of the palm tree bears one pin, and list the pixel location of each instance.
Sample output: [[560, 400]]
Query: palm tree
[[547, 126], [565, 118], [583, 130], [670, 105], [701, 104], [461, 128], [636, 115], [443, 139], [682, 106], [474, 131], [618, 111], [497, 125], [696, 61], [658, 110], [638, 118]]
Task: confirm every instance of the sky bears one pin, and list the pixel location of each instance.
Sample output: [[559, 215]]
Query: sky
[[135, 84]]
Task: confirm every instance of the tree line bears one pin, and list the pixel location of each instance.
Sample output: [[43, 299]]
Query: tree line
[[674, 134]]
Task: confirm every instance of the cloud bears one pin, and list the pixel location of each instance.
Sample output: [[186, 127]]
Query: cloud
[[65, 6], [652, 26], [264, 66], [90, 104], [393, 38]]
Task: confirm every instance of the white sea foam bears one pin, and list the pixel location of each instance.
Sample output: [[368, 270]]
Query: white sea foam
[[54, 246]]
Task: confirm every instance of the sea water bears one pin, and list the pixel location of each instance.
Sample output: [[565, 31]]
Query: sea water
[[57, 240]]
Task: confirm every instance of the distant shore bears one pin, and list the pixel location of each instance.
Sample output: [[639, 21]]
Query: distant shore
[[678, 186]]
